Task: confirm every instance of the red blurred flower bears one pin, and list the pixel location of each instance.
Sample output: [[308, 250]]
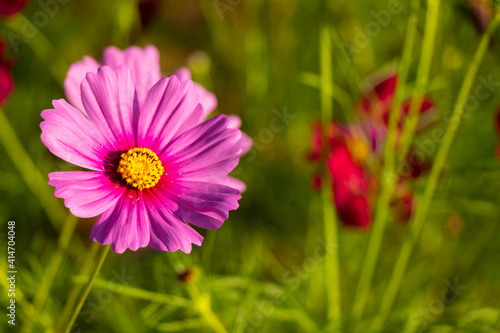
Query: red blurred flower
[[6, 81], [498, 129], [148, 9], [11, 7], [350, 150], [351, 187]]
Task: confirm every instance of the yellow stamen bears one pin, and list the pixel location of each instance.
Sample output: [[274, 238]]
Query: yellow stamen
[[141, 168], [359, 149]]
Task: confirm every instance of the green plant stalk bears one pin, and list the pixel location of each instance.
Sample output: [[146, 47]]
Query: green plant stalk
[[138, 293], [29, 172], [411, 121], [50, 272], [75, 290], [389, 177], [203, 306], [332, 278], [86, 290], [424, 204]]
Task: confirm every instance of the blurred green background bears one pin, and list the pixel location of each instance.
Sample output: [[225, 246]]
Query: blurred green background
[[258, 271]]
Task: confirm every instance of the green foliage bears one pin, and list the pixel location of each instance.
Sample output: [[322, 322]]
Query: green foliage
[[260, 271]]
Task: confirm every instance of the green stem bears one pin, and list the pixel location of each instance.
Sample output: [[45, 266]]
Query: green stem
[[388, 175], [50, 272], [75, 290], [330, 225], [29, 172], [424, 204], [422, 77], [203, 305], [138, 293], [87, 288]]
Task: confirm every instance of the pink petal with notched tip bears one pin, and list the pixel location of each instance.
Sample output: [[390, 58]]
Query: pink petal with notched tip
[[86, 194], [126, 225], [68, 134]]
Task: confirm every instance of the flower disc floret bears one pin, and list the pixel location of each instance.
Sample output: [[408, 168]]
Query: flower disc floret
[[141, 168]]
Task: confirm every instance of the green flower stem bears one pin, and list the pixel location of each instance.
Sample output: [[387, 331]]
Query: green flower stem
[[203, 306], [330, 225], [75, 290], [50, 272], [126, 16], [29, 172], [389, 177], [429, 42], [424, 204], [87, 288], [138, 293]]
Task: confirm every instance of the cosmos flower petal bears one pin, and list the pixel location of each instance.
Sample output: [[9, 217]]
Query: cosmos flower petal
[[76, 74], [144, 65], [68, 134], [208, 150], [170, 109], [6, 83], [108, 98], [231, 182], [11, 7], [245, 142], [207, 99], [168, 231], [203, 204], [86, 194], [350, 188], [127, 225]]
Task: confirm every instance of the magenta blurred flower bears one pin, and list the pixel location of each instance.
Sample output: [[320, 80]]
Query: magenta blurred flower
[[153, 162], [6, 80], [11, 7], [498, 129], [351, 186], [144, 65], [348, 148]]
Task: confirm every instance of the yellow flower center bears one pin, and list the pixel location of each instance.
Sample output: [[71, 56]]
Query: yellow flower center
[[359, 149], [141, 168]]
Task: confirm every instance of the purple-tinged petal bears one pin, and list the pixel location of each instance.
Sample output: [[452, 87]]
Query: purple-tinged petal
[[86, 194], [108, 98], [234, 121], [245, 142], [168, 231], [207, 99], [183, 74], [126, 225], [144, 65], [206, 151], [68, 134], [76, 74], [203, 204], [231, 182], [171, 108]]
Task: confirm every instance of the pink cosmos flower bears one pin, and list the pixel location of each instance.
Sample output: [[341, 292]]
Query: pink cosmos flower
[[153, 160], [6, 80], [144, 65], [11, 7], [348, 149]]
